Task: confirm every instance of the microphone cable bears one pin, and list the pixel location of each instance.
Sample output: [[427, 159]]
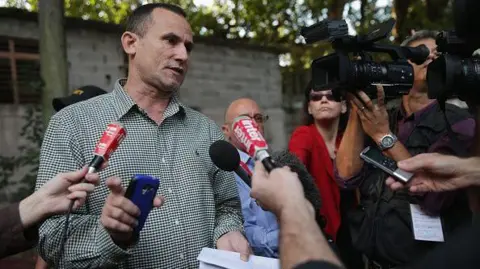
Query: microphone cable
[[64, 234]]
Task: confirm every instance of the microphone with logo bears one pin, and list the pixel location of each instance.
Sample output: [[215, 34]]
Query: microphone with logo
[[246, 132], [225, 156], [108, 143]]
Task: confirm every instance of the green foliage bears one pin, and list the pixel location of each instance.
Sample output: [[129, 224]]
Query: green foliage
[[31, 136]]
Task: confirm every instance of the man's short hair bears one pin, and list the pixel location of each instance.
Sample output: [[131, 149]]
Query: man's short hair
[[420, 35], [138, 22]]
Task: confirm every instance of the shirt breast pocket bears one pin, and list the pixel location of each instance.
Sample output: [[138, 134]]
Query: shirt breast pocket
[[199, 168]]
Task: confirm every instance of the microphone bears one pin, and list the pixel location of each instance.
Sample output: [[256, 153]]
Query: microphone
[[252, 141], [108, 143], [225, 156]]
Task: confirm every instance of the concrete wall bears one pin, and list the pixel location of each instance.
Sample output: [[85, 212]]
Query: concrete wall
[[218, 75]]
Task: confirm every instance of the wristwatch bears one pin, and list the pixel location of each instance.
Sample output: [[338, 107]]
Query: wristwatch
[[387, 141]]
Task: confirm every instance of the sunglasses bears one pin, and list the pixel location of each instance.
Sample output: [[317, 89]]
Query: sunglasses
[[318, 96]]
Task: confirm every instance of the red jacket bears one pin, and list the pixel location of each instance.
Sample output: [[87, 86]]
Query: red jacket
[[308, 145]]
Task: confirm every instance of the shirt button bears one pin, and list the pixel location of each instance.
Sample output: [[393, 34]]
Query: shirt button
[[163, 160], [170, 190], [177, 222], [182, 256]]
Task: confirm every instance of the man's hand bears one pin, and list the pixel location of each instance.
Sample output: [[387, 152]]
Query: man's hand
[[119, 214], [277, 190], [374, 117], [236, 242], [436, 173], [56, 195]]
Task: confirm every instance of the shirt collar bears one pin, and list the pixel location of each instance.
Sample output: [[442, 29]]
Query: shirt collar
[[244, 157], [418, 114], [123, 103]]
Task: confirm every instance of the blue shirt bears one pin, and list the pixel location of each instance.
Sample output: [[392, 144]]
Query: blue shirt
[[261, 227]]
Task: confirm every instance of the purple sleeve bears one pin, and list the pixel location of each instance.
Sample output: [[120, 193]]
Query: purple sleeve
[[350, 182], [434, 202]]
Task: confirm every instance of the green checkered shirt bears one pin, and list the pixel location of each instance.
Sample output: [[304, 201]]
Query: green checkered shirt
[[201, 204]]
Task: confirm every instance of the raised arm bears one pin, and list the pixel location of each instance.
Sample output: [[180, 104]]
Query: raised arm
[[348, 163]]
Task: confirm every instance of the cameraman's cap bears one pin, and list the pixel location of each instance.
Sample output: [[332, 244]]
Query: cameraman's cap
[[78, 95]]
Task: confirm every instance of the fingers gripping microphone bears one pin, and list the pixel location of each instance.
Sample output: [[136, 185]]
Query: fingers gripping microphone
[[246, 132], [225, 156], [108, 143]]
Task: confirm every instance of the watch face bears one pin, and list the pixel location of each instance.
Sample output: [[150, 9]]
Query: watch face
[[387, 141]]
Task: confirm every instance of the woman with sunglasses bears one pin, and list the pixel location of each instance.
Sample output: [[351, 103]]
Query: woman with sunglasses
[[316, 143]]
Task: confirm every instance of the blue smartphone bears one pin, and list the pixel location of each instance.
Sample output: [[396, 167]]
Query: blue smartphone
[[141, 191]]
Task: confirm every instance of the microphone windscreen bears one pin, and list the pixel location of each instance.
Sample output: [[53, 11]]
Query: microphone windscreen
[[224, 155], [312, 194]]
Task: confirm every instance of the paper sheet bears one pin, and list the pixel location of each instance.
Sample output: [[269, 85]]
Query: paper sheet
[[426, 228], [220, 259]]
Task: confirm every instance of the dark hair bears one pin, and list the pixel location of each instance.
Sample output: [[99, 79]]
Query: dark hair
[[138, 21], [308, 119], [420, 35]]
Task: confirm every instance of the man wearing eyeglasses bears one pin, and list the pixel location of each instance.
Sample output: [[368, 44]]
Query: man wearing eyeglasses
[[261, 227]]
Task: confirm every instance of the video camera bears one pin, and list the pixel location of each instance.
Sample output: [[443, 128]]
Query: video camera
[[338, 72], [456, 72]]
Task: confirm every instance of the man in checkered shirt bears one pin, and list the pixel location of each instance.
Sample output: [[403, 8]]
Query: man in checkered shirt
[[164, 139]]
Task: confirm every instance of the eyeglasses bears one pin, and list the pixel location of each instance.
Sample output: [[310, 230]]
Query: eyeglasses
[[318, 96], [259, 118]]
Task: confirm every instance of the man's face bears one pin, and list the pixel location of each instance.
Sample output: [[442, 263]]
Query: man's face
[[161, 55], [242, 107], [420, 71]]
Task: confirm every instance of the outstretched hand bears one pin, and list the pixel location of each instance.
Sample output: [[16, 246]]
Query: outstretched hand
[[434, 172]]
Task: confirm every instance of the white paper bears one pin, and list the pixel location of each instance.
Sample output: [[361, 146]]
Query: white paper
[[220, 259], [426, 228]]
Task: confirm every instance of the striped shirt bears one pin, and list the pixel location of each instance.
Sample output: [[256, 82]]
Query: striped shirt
[[201, 205]]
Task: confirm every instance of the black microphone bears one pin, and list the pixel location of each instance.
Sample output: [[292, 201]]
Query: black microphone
[[311, 192], [225, 156]]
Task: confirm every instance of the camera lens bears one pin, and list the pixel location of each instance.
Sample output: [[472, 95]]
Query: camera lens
[[387, 74], [450, 76]]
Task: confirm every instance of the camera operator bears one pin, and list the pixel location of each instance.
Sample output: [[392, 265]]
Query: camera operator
[[382, 225]]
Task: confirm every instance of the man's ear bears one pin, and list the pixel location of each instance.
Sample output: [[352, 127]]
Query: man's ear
[[226, 131], [129, 42]]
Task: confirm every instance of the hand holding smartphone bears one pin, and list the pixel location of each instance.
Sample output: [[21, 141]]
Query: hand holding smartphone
[[141, 191], [376, 158]]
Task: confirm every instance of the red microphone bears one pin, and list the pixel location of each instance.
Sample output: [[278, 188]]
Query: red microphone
[[252, 141], [108, 143]]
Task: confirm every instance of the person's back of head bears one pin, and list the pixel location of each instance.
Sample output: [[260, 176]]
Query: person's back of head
[[81, 94]]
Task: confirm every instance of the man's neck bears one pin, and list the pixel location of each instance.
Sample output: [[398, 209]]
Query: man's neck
[[148, 98], [415, 101], [328, 130]]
